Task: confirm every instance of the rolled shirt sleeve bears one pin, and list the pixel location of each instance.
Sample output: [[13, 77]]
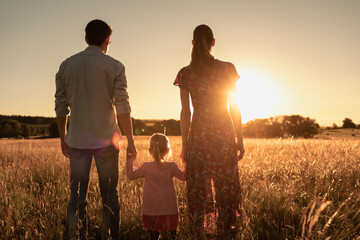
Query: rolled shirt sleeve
[[61, 103], [120, 94]]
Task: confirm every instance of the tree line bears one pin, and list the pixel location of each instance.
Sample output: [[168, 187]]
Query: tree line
[[170, 127], [17, 126], [14, 129], [28, 119], [280, 126], [287, 126]]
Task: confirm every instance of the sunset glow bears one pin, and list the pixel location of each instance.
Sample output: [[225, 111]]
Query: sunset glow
[[293, 57], [256, 95]]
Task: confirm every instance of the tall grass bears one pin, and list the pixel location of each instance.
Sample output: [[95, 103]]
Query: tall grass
[[291, 189]]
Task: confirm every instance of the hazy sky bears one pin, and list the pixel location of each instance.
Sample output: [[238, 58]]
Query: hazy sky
[[294, 57]]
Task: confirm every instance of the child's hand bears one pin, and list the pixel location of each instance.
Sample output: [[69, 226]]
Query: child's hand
[[131, 150]]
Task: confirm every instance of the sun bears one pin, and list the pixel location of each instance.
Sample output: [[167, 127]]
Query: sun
[[256, 95]]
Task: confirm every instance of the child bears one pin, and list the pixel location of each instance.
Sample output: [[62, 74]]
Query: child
[[160, 210]]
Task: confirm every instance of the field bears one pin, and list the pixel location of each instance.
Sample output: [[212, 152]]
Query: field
[[291, 189], [339, 133]]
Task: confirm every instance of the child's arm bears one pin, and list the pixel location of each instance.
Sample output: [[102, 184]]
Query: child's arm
[[131, 174], [178, 173]]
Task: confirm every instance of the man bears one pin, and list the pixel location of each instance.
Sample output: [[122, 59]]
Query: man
[[90, 85]]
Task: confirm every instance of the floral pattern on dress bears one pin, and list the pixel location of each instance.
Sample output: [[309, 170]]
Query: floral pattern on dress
[[211, 146]]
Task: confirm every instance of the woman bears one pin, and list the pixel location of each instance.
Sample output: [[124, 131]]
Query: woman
[[210, 144]]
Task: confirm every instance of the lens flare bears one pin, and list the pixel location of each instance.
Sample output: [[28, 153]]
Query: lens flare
[[117, 141]]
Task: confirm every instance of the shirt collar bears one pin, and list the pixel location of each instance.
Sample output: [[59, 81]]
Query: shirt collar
[[94, 48]]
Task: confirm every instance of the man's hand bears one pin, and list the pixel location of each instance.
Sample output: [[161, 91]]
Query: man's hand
[[124, 122], [65, 149], [61, 122]]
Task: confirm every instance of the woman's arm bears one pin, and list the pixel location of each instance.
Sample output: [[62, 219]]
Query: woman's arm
[[236, 118], [131, 174], [185, 117]]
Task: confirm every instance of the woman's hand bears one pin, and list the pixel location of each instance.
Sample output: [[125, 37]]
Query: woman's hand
[[240, 150], [182, 154]]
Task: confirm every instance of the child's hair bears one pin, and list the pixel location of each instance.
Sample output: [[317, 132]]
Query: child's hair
[[159, 146]]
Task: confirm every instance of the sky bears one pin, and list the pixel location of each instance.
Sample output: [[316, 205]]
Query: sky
[[293, 57]]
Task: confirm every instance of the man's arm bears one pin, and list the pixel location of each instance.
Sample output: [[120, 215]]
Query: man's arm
[[124, 122], [121, 102], [62, 110], [61, 122]]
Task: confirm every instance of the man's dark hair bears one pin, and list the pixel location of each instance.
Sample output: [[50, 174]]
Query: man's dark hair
[[97, 31]]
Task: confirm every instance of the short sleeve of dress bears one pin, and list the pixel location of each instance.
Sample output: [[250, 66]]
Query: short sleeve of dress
[[180, 80]]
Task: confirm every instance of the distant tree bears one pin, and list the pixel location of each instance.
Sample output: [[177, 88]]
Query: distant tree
[[149, 130], [53, 129], [5, 130], [249, 129], [275, 130], [334, 125], [26, 130], [265, 128], [16, 127], [298, 126], [35, 131], [159, 127], [10, 128], [172, 127], [138, 127], [255, 128], [348, 123]]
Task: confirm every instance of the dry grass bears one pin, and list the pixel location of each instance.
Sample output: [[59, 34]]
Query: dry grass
[[339, 133], [299, 189]]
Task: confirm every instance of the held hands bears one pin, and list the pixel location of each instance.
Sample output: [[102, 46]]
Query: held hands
[[131, 151]]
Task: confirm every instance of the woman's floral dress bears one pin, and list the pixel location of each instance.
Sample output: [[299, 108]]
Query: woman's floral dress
[[211, 146]]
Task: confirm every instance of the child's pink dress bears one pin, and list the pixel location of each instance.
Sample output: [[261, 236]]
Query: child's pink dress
[[160, 209]]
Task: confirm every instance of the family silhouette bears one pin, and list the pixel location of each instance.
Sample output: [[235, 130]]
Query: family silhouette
[[91, 90]]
